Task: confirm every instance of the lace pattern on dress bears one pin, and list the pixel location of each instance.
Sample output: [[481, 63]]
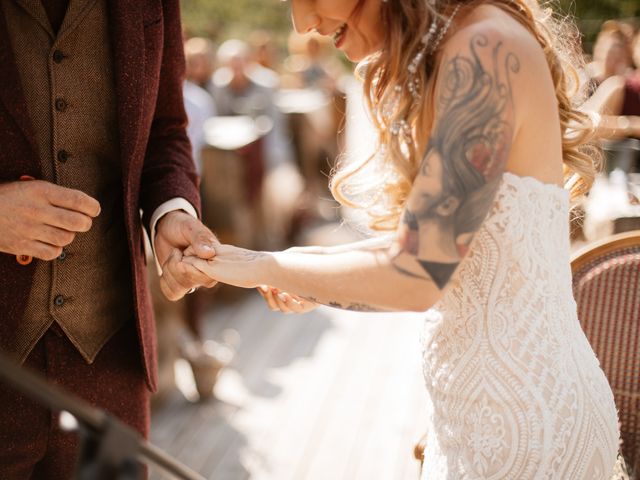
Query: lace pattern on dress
[[515, 389]]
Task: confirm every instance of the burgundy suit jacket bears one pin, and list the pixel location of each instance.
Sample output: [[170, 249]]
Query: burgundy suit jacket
[[156, 154]]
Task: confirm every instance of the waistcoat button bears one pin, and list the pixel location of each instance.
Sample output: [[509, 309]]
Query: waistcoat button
[[61, 105], [63, 156], [58, 56]]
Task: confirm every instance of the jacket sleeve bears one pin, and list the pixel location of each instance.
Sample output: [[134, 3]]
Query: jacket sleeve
[[169, 170]]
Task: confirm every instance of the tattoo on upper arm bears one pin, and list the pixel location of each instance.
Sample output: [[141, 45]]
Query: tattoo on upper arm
[[463, 165]]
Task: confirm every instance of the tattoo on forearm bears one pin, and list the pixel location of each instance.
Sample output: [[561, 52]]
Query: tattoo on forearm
[[464, 161], [354, 307]]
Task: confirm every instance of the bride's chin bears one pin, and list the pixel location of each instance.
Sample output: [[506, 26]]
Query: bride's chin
[[361, 55]]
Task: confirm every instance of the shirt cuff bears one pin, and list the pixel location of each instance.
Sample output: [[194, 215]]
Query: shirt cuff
[[177, 203]]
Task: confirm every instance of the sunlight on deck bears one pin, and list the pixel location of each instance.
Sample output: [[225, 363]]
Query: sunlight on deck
[[326, 396]]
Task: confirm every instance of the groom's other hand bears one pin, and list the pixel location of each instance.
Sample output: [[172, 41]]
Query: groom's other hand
[[39, 218], [175, 232]]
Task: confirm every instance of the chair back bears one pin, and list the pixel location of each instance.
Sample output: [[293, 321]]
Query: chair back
[[606, 286]]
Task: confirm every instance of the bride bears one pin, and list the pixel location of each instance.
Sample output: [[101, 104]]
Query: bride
[[480, 152]]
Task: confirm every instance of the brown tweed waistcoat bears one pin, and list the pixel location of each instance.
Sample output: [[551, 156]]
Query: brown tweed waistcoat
[[69, 88]]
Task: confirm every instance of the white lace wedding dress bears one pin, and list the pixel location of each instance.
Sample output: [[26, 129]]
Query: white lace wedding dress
[[515, 390]]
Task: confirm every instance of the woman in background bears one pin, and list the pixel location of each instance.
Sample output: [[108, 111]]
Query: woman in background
[[480, 151]]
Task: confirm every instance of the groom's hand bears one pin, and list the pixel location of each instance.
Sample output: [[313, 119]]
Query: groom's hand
[[175, 232]]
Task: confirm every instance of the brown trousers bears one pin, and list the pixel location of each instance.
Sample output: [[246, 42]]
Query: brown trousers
[[32, 446]]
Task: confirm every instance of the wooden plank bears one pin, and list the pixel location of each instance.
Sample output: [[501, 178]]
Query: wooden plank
[[183, 420], [401, 409], [260, 338], [291, 440], [328, 395], [261, 414], [337, 426]]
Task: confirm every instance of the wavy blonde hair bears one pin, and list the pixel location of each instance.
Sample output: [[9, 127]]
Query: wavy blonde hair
[[399, 151]]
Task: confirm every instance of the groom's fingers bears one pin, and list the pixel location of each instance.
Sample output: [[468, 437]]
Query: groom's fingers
[[178, 277], [169, 284], [201, 240]]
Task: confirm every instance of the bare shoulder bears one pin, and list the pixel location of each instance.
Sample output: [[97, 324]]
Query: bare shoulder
[[507, 53], [488, 27], [497, 24], [507, 58]]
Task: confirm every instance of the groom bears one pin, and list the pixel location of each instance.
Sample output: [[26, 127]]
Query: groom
[[91, 113]]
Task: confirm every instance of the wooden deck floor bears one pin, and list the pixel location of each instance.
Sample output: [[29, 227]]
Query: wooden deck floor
[[329, 395]]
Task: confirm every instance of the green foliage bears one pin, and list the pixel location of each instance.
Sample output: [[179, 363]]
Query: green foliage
[[601, 9], [590, 14], [221, 19]]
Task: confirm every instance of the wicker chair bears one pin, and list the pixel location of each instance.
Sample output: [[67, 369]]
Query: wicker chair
[[606, 286]]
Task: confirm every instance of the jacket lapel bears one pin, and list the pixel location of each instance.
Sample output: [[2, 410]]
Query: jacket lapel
[[127, 35], [11, 93], [39, 14]]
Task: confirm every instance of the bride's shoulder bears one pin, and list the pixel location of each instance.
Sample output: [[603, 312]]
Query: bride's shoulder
[[489, 31], [488, 42]]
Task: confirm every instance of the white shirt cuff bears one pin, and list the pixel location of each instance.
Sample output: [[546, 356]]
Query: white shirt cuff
[[177, 203]]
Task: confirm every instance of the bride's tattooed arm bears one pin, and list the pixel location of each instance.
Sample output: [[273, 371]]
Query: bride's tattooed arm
[[455, 187], [464, 161]]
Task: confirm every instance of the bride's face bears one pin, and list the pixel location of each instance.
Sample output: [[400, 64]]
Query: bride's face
[[354, 25]]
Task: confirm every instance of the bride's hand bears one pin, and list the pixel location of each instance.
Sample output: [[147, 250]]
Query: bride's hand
[[233, 266], [285, 302]]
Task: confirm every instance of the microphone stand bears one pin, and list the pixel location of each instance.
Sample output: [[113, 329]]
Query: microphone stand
[[110, 450]]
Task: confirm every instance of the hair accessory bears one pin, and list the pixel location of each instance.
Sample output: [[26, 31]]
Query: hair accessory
[[428, 45]]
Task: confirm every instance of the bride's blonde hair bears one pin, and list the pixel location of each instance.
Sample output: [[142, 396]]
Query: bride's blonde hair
[[399, 151]]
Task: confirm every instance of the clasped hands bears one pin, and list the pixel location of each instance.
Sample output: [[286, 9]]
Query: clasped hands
[[38, 219], [191, 256]]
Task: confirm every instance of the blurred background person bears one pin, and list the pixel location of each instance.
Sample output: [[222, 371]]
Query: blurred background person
[[241, 87], [617, 100], [198, 102], [200, 61], [314, 99], [611, 51], [613, 203], [179, 324], [264, 61], [311, 64]]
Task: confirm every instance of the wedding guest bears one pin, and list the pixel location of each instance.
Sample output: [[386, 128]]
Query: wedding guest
[[311, 64], [240, 87], [200, 61], [264, 58], [611, 52], [198, 102], [617, 102]]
